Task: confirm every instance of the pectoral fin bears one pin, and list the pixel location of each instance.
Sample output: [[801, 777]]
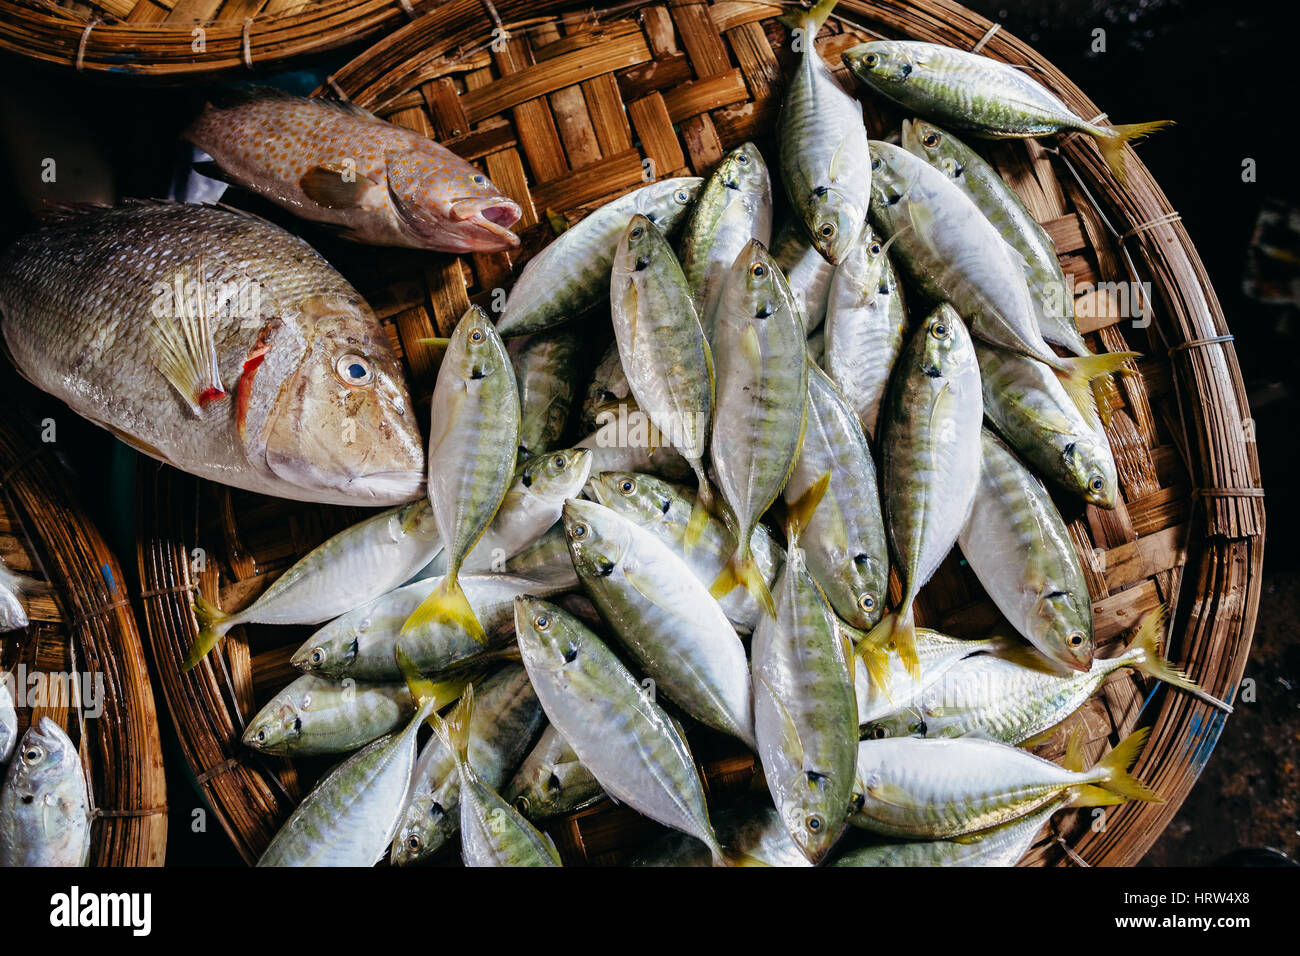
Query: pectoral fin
[[335, 187]]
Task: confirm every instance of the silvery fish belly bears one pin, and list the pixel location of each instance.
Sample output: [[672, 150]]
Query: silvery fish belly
[[865, 327], [757, 832], [350, 816], [506, 719], [1031, 408], [823, 144], [314, 715], [216, 342], [930, 454], [734, 207], [552, 780], [362, 643], [1003, 208], [625, 440], [664, 615], [546, 368], [1000, 846], [13, 587], [337, 164], [939, 789], [665, 510], [805, 713], [806, 272], [572, 274], [899, 691], [951, 251], [844, 544], [1019, 548], [621, 735], [44, 807]]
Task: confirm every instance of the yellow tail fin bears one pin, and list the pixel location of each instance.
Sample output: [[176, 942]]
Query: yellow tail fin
[[742, 571], [897, 632], [446, 602], [700, 511], [814, 16], [1088, 796], [800, 511], [1152, 663], [1112, 139], [876, 661], [213, 624], [1078, 372], [1115, 765], [453, 730]]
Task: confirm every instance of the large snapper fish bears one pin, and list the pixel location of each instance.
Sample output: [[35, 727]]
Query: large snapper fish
[[337, 164], [288, 387]]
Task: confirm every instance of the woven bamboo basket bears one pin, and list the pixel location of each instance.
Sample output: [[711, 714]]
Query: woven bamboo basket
[[162, 38], [84, 627], [561, 114]]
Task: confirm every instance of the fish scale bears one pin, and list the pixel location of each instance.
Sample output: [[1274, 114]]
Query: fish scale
[[82, 300]]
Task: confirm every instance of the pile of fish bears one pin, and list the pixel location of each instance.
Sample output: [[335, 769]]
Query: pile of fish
[[701, 540]]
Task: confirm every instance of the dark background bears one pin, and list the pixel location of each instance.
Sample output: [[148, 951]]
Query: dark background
[[1224, 72]]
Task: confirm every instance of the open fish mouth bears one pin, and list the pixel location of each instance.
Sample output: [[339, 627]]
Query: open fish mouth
[[493, 214]]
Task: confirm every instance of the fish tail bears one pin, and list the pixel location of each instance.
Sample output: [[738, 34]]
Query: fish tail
[[1073, 759], [447, 602], [725, 857], [1146, 649], [1077, 373], [903, 639], [1105, 395], [453, 730], [1089, 796], [800, 512], [700, 510], [1113, 769], [213, 625], [742, 571], [1111, 140], [875, 659], [812, 17]]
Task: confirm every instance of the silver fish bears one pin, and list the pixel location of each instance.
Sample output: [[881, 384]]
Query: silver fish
[[552, 780], [44, 807]]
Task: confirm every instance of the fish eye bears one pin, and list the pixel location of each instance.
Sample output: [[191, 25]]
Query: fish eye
[[476, 336], [559, 462], [1075, 639], [638, 232], [414, 843], [870, 60], [826, 230], [627, 486], [1096, 484], [940, 330], [579, 531], [875, 164], [930, 140], [758, 270], [522, 805], [875, 248], [878, 733], [815, 822], [354, 369], [866, 603], [318, 656], [542, 621], [261, 736], [33, 754], [742, 159], [682, 196]]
